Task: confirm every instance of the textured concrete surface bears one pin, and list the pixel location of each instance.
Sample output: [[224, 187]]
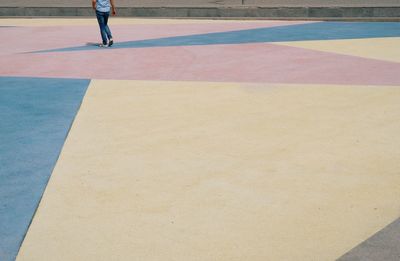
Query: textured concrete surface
[[219, 171], [36, 115], [360, 47], [206, 140]]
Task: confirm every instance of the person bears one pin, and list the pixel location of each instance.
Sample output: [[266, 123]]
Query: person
[[103, 8]]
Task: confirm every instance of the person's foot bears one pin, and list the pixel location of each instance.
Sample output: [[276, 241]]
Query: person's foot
[[103, 45], [111, 42]]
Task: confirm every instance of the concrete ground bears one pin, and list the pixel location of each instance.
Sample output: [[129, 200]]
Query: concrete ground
[[207, 3], [199, 140]]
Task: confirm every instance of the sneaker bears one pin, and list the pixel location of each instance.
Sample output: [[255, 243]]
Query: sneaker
[[103, 45], [111, 42]]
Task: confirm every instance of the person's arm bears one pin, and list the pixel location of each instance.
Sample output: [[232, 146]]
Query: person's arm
[[114, 11], [94, 4]]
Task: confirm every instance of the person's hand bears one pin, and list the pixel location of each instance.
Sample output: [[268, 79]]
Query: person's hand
[[94, 4], [114, 11]]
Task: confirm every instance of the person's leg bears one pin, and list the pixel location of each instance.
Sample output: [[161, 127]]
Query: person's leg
[[107, 29], [101, 20]]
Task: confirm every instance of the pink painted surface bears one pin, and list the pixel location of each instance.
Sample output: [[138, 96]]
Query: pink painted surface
[[230, 63], [30, 39]]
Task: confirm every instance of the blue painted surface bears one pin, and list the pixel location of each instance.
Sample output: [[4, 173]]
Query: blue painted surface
[[35, 116], [301, 32]]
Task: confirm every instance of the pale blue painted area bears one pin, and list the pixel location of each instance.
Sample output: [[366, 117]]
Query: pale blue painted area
[[35, 117], [103, 5], [299, 32]]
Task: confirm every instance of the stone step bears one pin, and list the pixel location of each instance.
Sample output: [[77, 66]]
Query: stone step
[[212, 8]]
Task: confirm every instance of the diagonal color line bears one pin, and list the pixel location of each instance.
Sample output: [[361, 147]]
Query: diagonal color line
[[35, 116], [302, 32], [384, 245]]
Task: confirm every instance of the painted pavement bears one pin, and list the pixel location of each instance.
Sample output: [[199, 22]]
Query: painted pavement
[[199, 140]]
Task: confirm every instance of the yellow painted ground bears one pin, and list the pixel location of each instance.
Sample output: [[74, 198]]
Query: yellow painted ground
[[387, 49], [212, 171]]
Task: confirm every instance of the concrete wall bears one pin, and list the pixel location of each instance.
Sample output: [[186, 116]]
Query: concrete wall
[[290, 12]]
